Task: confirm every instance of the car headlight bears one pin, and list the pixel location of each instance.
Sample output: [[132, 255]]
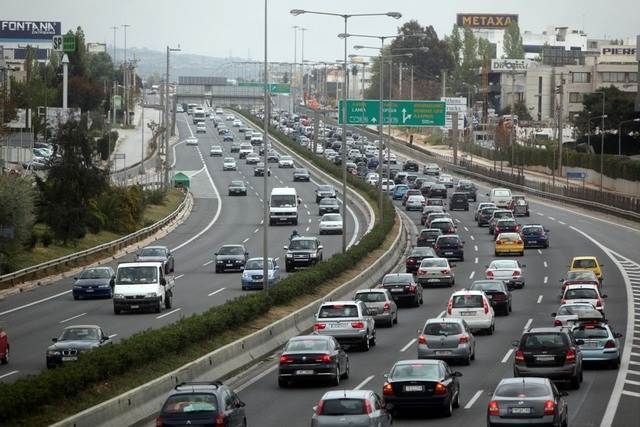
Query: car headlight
[[313, 255], [104, 286], [289, 255], [220, 262], [151, 295], [77, 287], [53, 352], [118, 296]]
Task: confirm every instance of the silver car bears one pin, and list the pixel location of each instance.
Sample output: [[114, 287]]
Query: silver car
[[447, 338], [330, 223], [349, 322], [380, 304], [353, 408], [435, 271]]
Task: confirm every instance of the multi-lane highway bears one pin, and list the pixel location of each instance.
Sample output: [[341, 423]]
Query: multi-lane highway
[[34, 317]]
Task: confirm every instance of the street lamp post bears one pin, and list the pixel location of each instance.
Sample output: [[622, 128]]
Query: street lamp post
[[265, 188], [125, 77], [602, 143], [620, 133], [396, 15], [166, 120]]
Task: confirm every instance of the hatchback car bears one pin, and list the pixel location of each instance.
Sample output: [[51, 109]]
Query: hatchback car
[[465, 186], [446, 180], [428, 236], [403, 288], [481, 206], [215, 150], [330, 223], [508, 271], [324, 191], [399, 191], [459, 201], [506, 225], [587, 263], [415, 203], [202, 403], [94, 282], [485, 214], [497, 215], [253, 274], [498, 293], [73, 342], [237, 188], [416, 255], [229, 164], [431, 169], [474, 307], [285, 162], [508, 243], [435, 271], [380, 304], [447, 338], [433, 215], [410, 192], [572, 313], [410, 166], [527, 401], [351, 408], [438, 190], [535, 235], [599, 343], [301, 174], [446, 225], [584, 293], [422, 384], [230, 257], [312, 357], [259, 168], [328, 205], [349, 322], [449, 246]]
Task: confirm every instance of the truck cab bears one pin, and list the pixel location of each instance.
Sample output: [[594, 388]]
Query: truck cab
[[142, 286]]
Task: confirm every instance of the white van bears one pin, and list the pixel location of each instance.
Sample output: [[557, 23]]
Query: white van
[[500, 196], [283, 206]]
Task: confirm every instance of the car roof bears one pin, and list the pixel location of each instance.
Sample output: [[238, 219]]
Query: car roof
[[349, 394], [372, 290], [419, 362], [451, 319], [343, 302], [575, 258], [546, 329], [83, 326], [468, 291], [311, 337]]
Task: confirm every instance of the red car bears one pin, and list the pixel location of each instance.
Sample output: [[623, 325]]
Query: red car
[[4, 347], [580, 277]]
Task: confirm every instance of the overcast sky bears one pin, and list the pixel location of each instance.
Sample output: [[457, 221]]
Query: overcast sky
[[235, 28]]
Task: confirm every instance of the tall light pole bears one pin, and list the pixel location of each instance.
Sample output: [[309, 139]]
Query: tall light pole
[[304, 97], [265, 173], [602, 143], [125, 77], [620, 133], [396, 15], [166, 120], [295, 60]]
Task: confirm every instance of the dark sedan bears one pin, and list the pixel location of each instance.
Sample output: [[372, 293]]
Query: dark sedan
[[74, 341], [422, 384], [411, 166], [403, 287], [94, 282], [231, 257], [237, 188], [157, 254], [416, 255], [485, 214], [258, 169], [328, 205], [301, 174], [428, 236], [535, 235], [313, 357], [438, 190], [497, 292]]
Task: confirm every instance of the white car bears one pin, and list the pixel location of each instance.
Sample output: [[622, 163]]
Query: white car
[[215, 150], [191, 141], [474, 307], [285, 162], [415, 203], [230, 117], [201, 128], [219, 111], [330, 223], [388, 185], [435, 271], [229, 164], [507, 270], [431, 169], [319, 149], [252, 158], [446, 180], [571, 312], [584, 293], [237, 123], [372, 178]]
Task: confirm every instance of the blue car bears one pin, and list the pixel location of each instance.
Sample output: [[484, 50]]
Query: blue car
[[599, 343], [535, 235], [94, 282], [399, 191], [252, 276]]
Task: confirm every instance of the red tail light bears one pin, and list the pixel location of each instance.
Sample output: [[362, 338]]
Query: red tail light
[[440, 389], [517, 228], [357, 325], [386, 307], [610, 344], [324, 358], [519, 242], [489, 274], [411, 261], [570, 356], [436, 247], [220, 421], [549, 407], [557, 323], [485, 305], [286, 359], [598, 303], [387, 389], [412, 288], [421, 272], [445, 271], [159, 421], [516, 273], [563, 301], [451, 230], [367, 406], [519, 356], [422, 339], [464, 339], [449, 306], [319, 326], [319, 407], [494, 409]]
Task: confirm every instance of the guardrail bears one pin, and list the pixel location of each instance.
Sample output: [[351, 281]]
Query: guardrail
[[54, 266]]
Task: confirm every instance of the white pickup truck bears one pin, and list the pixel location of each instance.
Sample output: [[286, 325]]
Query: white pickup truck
[[141, 286]]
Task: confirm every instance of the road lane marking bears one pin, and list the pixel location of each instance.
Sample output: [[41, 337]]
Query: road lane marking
[[207, 263], [8, 373], [34, 303], [545, 264], [552, 218], [409, 344], [306, 229], [473, 399], [256, 378], [178, 276], [473, 273], [540, 299], [507, 356], [475, 248], [166, 314], [539, 252], [475, 261], [256, 230], [112, 336], [245, 240], [71, 318], [309, 213], [364, 382], [562, 222], [529, 322], [472, 238], [309, 220], [466, 229], [216, 292], [630, 393], [545, 280]]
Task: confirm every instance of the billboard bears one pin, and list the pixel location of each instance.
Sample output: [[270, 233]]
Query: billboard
[[485, 20], [28, 31], [510, 65], [454, 105]]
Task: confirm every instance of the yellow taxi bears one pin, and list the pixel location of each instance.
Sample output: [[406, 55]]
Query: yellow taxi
[[587, 263], [509, 243]]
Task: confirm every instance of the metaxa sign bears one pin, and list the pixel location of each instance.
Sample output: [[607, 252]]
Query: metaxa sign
[[485, 20], [25, 31]]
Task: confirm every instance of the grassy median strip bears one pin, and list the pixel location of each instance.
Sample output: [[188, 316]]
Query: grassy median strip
[[109, 371]]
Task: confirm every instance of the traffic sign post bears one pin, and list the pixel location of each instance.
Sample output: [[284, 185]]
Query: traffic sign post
[[394, 113], [56, 43]]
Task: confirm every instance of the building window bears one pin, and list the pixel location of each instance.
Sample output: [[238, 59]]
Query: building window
[[633, 77], [575, 97], [580, 77], [612, 77]]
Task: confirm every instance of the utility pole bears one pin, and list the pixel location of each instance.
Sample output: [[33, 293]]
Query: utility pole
[[513, 121], [125, 77], [560, 124]]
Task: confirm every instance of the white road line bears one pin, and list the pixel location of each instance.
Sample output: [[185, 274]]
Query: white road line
[[256, 230], [541, 214], [545, 264], [475, 248], [562, 222], [472, 238], [409, 344], [539, 252], [473, 273], [552, 218], [256, 378], [545, 280], [34, 303], [305, 206], [466, 229], [308, 212], [475, 261], [178, 276], [8, 373], [262, 221], [166, 314], [306, 229], [216, 292], [507, 356], [112, 336], [473, 399], [529, 322], [540, 299], [309, 220], [245, 240], [71, 318], [207, 263], [364, 382], [630, 393]]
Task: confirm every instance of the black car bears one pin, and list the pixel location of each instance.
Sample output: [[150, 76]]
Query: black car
[[94, 282], [328, 205], [403, 287], [507, 225], [428, 236], [202, 403], [422, 384], [469, 188], [535, 235], [484, 216], [438, 190], [301, 174], [527, 401], [411, 166], [459, 201], [498, 292], [157, 254], [425, 189], [416, 255], [258, 169], [302, 252], [313, 357], [235, 147], [237, 188], [325, 191], [231, 257], [222, 130], [272, 156], [73, 341], [449, 246]]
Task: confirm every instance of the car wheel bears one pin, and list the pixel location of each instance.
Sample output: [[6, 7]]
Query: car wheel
[[288, 268], [365, 344], [448, 409], [473, 355], [335, 380], [282, 383], [395, 319], [510, 308], [615, 364], [491, 329], [456, 402], [5, 359], [76, 297], [158, 307], [167, 300], [345, 375], [467, 360], [116, 310]]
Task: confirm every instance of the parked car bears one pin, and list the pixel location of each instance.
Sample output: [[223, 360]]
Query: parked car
[[380, 304], [157, 254], [351, 408], [230, 257], [349, 322], [312, 357], [447, 338], [253, 273], [73, 342], [403, 288], [94, 282]]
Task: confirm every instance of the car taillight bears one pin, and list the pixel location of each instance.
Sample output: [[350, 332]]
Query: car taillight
[[463, 339], [386, 307], [519, 356], [412, 288], [563, 301], [440, 389], [449, 306], [387, 389], [323, 358], [159, 421], [517, 228], [319, 326], [436, 247], [411, 261], [557, 323], [220, 420], [610, 344], [486, 306], [494, 409], [489, 274], [286, 359], [516, 273], [570, 356], [598, 303], [445, 271], [422, 339], [498, 242], [451, 230], [519, 241], [357, 325], [368, 409], [319, 407], [549, 407], [421, 272]]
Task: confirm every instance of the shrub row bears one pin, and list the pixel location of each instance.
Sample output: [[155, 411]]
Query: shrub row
[[20, 399]]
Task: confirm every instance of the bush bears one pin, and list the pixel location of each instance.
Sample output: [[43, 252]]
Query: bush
[[31, 241], [47, 238]]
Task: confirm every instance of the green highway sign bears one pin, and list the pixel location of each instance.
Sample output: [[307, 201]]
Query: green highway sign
[[272, 87], [395, 113], [68, 43]]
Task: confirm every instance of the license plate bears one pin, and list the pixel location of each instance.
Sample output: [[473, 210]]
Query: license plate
[[433, 280], [544, 358], [520, 410], [590, 344], [69, 358], [133, 307], [229, 265], [413, 388], [336, 325], [448, 253], [397, 290], [508, 243], [468, 313], [88, 290], [304, 372], [442, 352]]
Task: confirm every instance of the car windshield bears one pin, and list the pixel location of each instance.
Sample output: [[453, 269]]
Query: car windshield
[[532, 230], [237, 184], [506, 223], [501, 193], [307, 345], [231, 250], [590, 332], [190, 402], [498, 215], [580, 294], [301, 172], [371, 296], [540, 341], [416, 370], [584, 263], [324, 188], [397, 278], [302, 244], [344, 406], [331, 217], [430, 233], [434, 263], [80, 334], [511, 237], [523, 389], [467, 301], [575, 275], [283, 200], [287, 158], [137, 275], [256, 264], [95, 273], [229, 160], [442, 328], [338, 310], [488, 211], [152, 252], [503, 265]]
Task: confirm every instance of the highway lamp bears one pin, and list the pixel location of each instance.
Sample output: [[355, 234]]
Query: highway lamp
[[603, 116], [166, 119], [265, 188], [620, 133], [395, 15]]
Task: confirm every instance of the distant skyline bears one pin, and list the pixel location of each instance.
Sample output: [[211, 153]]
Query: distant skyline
[[224, 28]]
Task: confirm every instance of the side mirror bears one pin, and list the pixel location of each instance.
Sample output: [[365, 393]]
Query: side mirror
[[163, 282], [75, 278], [286, 248], [385, 376], [457, 374], [322, 247], [54, 339], [617, 335], [215, 253], [580, 342], [604, 296], [515, 343], [554, 314], [564, 393], [314, 408]]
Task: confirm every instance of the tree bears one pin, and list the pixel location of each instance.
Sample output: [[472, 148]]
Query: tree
[[618, 106], [513, 48], [16, 217], [520, 110]]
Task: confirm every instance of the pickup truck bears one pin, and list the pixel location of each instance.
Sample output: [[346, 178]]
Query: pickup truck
[[142, 285]]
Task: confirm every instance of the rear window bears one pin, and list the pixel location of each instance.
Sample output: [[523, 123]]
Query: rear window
[[426, 263], [532, 230], [502, 193], [191, 402], [488, 211], [584, 263], [567, 310], [371, 297], [415, 370], [580, 294], [431, 233], [327, 311], [522, 390], [400, 278], [307, 345], [502, 214], [444, 328], [343, 407], [467, 301], [488, 286], [543, 341], [590, 332], [448, 241]]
